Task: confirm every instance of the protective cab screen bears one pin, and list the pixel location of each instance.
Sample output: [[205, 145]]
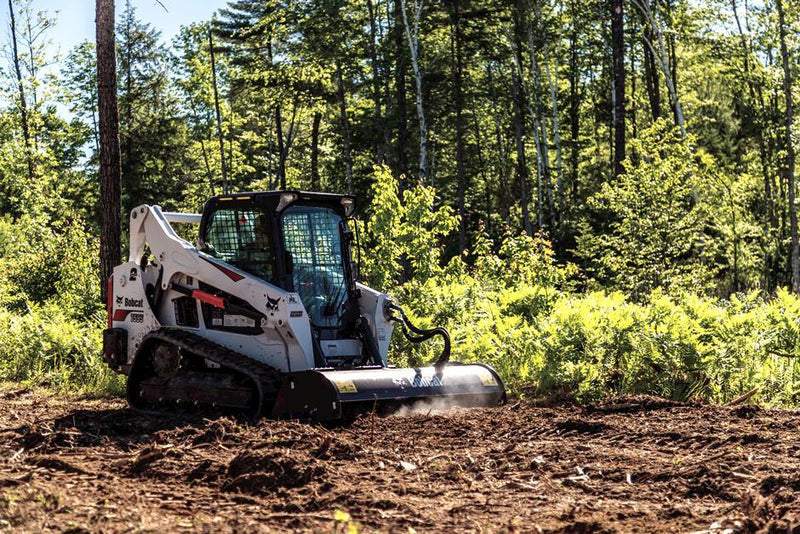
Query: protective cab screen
[[241, 237], [312, 237]]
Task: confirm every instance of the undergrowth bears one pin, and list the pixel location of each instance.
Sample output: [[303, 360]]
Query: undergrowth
[[51, 322], [512, 307]]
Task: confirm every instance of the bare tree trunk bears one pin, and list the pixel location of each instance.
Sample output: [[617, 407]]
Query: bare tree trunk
[[543, 178], [458, 101], [672, 55], [400, 89], [208, 166], [632, 111], [790, 154], [412, 34], [519, 113], [284, 146], [348, 160], [281, 170], [522, 166], [553, 83], [574, 104], [31, 40], [618, 53], [756, 112], [379, 128], [225, 188], [23, 104], [651, 74], [315, 151], [110, 165], [33, 31], [502, 169], [661, 55], [487, 186]]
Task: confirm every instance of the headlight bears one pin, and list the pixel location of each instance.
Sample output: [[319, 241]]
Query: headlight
[[286, 199], [349, 205]]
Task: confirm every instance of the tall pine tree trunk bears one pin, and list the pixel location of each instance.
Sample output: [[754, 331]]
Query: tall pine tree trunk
[[544, 181], [519, 137], [574, 104], [756, 112], [552, 81], [502, 159], [660, 54], [379, 128], [790, 154], [110, 165], [618, 53], [651, 75], [315, 151], [348, 160], [518, 96], [281, 149], [218, 113], [412, 34]]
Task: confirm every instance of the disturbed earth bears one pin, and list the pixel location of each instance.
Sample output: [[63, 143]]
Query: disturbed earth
[[626, 465]]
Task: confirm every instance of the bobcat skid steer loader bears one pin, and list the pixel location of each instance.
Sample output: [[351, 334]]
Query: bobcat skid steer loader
[[265, 316]]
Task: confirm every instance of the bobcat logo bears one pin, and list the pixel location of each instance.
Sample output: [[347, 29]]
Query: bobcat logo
[[272, 304], [119, 301]]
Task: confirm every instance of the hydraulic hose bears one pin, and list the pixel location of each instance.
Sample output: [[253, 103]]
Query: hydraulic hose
[[418, 335]]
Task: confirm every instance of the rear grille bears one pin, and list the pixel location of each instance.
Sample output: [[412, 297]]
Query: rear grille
[[186, 312]]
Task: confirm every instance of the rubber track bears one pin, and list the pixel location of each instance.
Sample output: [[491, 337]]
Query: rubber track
[[266, 378]]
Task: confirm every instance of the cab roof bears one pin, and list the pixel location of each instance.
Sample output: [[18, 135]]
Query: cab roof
[[280, 199]]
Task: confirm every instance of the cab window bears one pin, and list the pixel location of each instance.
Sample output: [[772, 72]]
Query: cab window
[[241, 237]]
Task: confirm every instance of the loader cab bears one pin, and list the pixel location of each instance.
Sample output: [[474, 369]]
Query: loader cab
[[298, 241]]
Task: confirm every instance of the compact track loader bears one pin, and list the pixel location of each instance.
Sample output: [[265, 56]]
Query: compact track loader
[[265, 316]]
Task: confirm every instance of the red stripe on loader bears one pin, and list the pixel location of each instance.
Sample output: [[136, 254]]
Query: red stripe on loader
[[229, 273], [121, 315]]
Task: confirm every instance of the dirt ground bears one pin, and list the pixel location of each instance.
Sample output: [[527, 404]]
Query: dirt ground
[[628, 465]]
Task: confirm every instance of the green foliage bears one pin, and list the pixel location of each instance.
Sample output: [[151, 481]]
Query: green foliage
[[45, 345], [656, 219], [408, 231], [543, 341], [50, 319], [46, 265], [512, 311]]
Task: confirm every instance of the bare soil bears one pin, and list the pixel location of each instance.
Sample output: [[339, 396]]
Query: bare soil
[[627, 465]]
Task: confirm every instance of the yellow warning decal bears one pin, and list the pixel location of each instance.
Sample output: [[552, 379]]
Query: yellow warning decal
[[345, 386], [487, 379]]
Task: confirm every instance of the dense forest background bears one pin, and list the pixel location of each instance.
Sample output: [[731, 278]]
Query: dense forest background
[[550, 157]]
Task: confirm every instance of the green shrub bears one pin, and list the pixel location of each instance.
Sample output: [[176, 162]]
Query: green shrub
[[47, 346], [50, 319]]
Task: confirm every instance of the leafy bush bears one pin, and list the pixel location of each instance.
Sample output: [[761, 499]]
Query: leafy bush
[[656, 217], [50, 318], [47, 346], [50, 265]]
